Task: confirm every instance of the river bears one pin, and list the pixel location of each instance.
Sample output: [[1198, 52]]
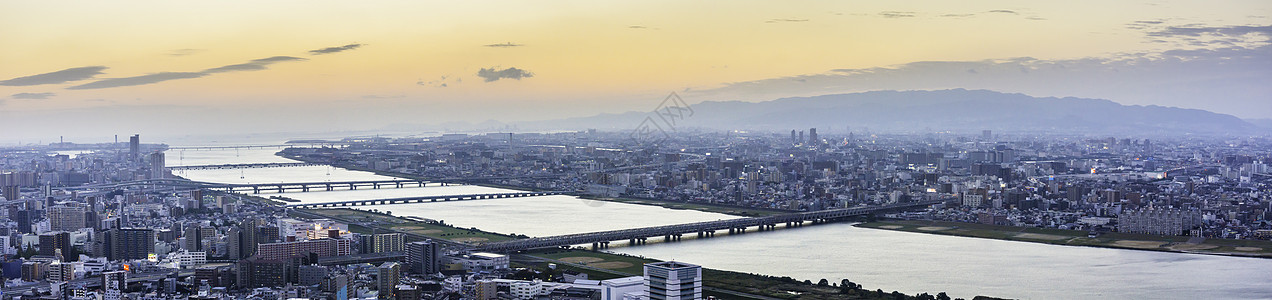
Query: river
[[890, 260]]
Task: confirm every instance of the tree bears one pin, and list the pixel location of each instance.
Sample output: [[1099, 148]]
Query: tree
[[942, 296], [823, 282]]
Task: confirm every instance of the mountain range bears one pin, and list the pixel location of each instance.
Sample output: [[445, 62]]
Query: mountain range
[[957, 110]]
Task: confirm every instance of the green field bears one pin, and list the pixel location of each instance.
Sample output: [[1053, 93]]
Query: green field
[[438, 231], [1079, 238]]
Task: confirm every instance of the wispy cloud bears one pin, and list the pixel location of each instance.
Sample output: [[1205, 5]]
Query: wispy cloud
[[184, 52], [897, 14], [1003, 11], [254, 65], [445, 81], [330, 50], [637, 27], [137, 80], [493, 74], [786, 20], [63, 76], [32, 96], [504, 45]]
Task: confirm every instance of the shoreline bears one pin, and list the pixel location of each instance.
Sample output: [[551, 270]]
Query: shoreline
[[1062, 237]]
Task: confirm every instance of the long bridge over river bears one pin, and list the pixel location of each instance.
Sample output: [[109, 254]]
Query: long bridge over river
[[636, 236], [243, 166], [423, 199]]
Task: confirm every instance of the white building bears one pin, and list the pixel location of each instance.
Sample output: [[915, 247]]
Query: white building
[[616, 289], [187, 259], [671, 280], [526, 289], [482, 261]]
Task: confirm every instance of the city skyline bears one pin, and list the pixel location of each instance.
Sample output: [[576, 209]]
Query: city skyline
[[174, 69]]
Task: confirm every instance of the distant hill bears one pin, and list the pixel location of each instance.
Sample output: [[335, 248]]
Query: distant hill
[[926, 111]]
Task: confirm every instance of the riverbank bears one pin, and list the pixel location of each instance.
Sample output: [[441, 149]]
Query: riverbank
[[703, 207], [1177, 244]]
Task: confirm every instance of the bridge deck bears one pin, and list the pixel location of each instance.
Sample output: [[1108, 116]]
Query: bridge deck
[[423, 199], [709, 226]]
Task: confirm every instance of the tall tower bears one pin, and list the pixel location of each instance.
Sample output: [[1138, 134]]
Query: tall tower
[[812, 137], [134, 148], [157, 166]]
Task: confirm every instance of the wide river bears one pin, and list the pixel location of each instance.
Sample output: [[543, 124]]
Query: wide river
[[888, 260]]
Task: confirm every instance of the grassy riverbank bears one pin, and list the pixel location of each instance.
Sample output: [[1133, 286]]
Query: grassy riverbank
[[408, 225], [1179, 244]]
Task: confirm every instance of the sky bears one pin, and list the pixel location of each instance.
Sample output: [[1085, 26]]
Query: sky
[[92, 69]]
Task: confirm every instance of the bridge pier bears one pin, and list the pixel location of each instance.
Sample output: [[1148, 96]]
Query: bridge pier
[[595, 246]]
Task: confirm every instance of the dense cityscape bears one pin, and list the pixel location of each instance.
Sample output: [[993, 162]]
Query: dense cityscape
[[635, 150], [116, 221]]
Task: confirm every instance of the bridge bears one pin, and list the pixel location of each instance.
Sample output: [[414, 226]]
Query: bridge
[[229, 147], [257, 188], [423, 199], [638, 236], [243, 166]]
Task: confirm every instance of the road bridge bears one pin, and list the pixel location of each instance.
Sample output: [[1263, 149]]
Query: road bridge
[[423, 199], [243, 166], [702, 229]]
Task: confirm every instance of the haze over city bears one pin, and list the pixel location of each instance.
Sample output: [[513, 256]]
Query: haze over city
[[90, 69]]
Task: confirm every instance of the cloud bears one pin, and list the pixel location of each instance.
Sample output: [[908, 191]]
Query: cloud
[[897, 14], [184, 52], [254, 65], [786, 20], [32, 95], [637, 27], [137, 80], [63, 76], [504, 45], [1003, 11], [445, 81], [493, 74], [957, 15], [329, 50]]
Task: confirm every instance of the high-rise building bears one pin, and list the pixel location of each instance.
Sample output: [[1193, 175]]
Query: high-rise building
[[388, 276], [158, 166], [234, 243], [422, 257], [66, 218], [11, 192], [134, 148], [311, 274], [384, 242], [55, 243], [129, 243], [485, 289], [256, 272], [812, 137], [287, 250], [671, 280]]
